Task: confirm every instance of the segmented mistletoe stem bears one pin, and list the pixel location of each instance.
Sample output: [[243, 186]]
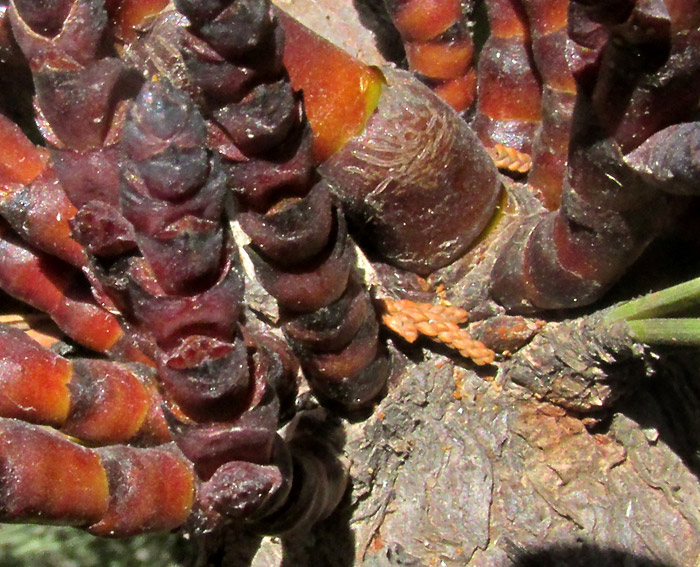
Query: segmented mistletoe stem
[[222, 385], [549, 35], [300, 247], [97, 401], [437, 37], [610, 209], [111, 491], [54, 287], [508, 109]]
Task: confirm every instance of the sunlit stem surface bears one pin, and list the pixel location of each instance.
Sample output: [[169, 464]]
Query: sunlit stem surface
[[648, 318]]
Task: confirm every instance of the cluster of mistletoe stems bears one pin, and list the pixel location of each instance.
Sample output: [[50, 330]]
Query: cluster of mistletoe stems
[[299, 242], [129, 194], [590, 114], [598, 117], [613, 198], [152, 115]]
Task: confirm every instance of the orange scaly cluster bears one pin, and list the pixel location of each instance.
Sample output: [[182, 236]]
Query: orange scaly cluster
[[438, 322], [510, 159]]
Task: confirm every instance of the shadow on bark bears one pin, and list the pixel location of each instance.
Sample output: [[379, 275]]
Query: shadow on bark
[[554, 556], [666, 406], [580, 556], [667, 403], [332, 545]]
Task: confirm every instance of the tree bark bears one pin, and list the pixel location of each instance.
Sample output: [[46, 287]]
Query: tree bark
[[457, 468]]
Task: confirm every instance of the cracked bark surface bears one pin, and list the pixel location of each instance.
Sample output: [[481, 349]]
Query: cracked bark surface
[[453, 469]]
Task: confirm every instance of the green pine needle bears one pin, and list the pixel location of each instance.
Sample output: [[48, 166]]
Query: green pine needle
[[676, 299], [666, 331], [647, 316]]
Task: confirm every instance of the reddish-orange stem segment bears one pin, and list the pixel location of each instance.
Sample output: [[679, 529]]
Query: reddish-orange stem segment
[[340, 92], [20, 160], [130, 15]]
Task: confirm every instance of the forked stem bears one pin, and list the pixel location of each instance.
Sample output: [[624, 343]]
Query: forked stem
[[647, 319]]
